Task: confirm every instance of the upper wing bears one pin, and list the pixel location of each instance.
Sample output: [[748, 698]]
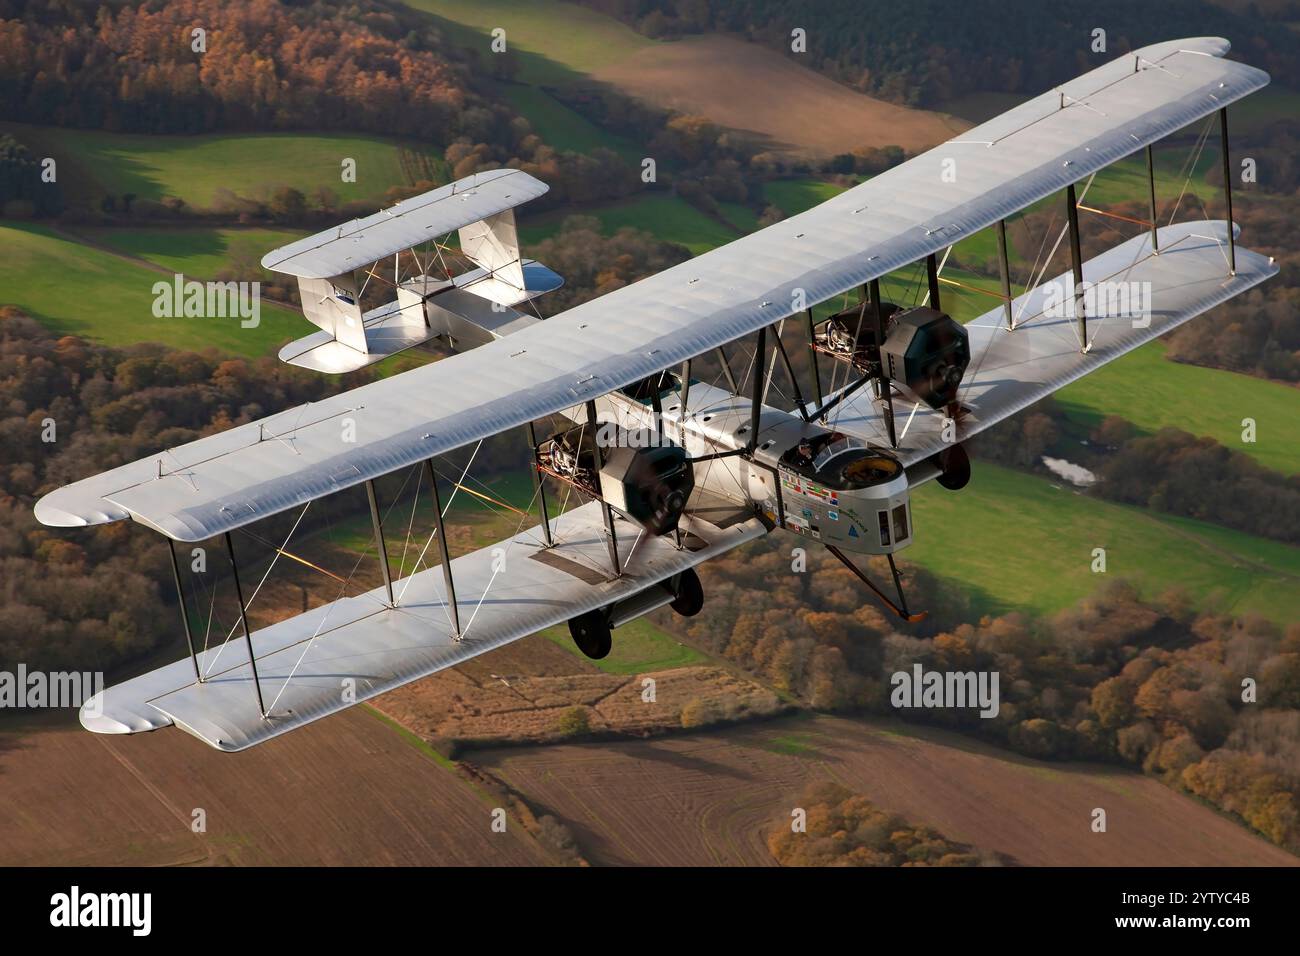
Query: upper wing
[[228, 480], [306, 663], [1010, 370], [411, 222]]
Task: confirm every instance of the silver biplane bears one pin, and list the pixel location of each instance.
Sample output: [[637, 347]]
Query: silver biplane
[[673, 470]]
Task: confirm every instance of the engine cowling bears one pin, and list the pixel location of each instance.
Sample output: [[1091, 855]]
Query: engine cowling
[[927, 351], [649, 485]]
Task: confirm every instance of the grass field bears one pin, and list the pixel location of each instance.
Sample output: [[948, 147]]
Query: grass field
[[1017, 541], [79, 290], [793, 196], [639, 647], [742, 217], [1153, 392], [555, 42], [93, 163], [564, 128], [200, 253]]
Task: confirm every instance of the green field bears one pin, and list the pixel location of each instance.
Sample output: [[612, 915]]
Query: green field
[[1153, 392], [555, 42], [1015, 541], [199, 253], [639, 647], [1261, 109], [75, 289], [563, 128], [192, 168], [793, 196], [664, 215], [742, 217]]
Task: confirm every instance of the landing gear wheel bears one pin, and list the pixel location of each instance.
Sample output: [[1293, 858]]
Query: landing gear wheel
[[690, 594], [590, 632], [956, 468]]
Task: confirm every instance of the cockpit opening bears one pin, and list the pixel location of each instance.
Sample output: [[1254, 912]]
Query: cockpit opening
[[665, 382], [841, 462]]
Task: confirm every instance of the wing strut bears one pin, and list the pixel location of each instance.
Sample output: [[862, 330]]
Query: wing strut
[[901, 607], [794, 379], [379, 541], [878, 317], [756, 403], [1004, 267], [1076, 264], [185, 614], [539, 485], [812, 353], [1227, 190], [243, 620], [726, 370], [441, 531], [932, 274], [686, 394], [1151, 188], [611, 536]]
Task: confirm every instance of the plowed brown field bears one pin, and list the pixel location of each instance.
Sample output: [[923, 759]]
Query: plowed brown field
[[348, 790], [711, 798], [782, 104]]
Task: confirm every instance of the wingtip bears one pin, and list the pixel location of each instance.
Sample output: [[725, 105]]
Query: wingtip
[[97, 720], [52, 513]]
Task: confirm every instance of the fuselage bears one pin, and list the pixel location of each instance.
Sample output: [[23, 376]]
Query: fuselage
[[802, 477]]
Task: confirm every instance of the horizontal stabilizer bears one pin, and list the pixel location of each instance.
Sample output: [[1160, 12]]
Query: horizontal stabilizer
[[537, 280], [351, 650], [466, 311], [328, 266]]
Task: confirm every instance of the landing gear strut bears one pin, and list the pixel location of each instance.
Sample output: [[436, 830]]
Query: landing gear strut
[[899, 608]]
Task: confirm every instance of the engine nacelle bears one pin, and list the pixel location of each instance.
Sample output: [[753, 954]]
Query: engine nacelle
[[927, 352], [851, 333], [649, 485]]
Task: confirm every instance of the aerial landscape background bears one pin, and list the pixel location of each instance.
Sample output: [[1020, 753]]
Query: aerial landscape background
[[1121, 688]]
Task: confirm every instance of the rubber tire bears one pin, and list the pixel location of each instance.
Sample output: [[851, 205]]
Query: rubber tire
[[591, 633], [956, 468], [690, 594]]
